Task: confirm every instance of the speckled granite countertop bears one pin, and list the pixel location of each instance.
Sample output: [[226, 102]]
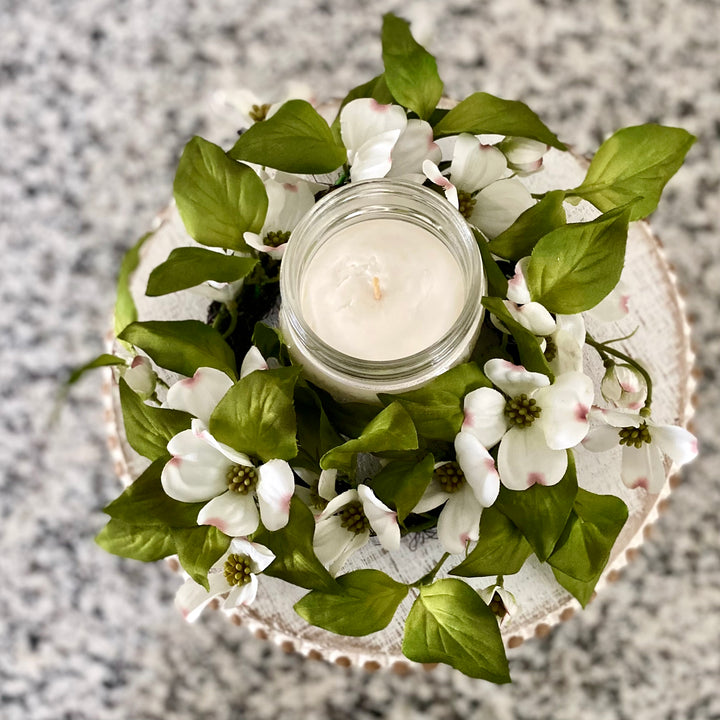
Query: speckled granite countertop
[[97, 99]]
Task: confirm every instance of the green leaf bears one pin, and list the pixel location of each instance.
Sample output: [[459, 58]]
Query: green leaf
[[583, 550], [145, 502], [133, 541], [316, 435], [295, 139], [198, 549], [365, 604], [391, 429], [436, 409], [574, 267], [491, 343], [103, 360], [218, 199], [188, 266], [531, 354], [148, 428], [401, 483], [501, 548], [182, 346], [376, 88], [482, 113], [497, 282], [582, 591], [257, 415], [541, 512], [349, 419], [449, 623], [295, 560], [635, 162], [125, 310], [269, 341], [410, 71], [521, 237]]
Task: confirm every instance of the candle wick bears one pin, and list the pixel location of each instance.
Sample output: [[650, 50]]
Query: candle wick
[[376, 288]]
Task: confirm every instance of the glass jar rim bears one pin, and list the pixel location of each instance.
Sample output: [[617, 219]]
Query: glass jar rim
[[377, 195]]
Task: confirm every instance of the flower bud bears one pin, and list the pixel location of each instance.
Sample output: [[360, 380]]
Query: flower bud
[[624, 387], [141, 377], [523, 155], [499, 600]]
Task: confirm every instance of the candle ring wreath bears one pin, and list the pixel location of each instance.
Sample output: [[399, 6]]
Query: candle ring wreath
[[263, 462]]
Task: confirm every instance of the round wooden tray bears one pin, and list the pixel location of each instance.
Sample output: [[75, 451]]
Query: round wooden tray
[[661, 342]]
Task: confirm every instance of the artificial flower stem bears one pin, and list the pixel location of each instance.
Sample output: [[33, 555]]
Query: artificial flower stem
[[604, 350], [427, 579], [232, 309]]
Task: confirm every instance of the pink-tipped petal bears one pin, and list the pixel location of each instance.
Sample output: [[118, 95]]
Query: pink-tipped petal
[[524, 459], [643, 467], [382, 519], [499, 205], [478, 467], [192, 598], [485, 415], [199, 394], [474, 165], [433, 174], [275, 490], [676, 442], [517, 291], [533, 317], [414, 146], [252, 361], [565, 406], [232, 513], [459, 521], [512, 379]]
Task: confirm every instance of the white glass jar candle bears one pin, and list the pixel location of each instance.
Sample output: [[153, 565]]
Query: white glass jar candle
[[381, 287]]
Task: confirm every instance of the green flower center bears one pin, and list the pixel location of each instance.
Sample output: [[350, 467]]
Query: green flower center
[[635, 436], [498, 606], [242, 479], [259, 112], [522, 410], [450, 477], [550, 349], [353, 518], [276, 238], [466, 203], [238, 569]]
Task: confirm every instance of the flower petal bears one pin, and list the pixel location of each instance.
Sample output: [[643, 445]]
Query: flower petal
[[525, 459], [676, 442], [326, 484], [334, 545], [433, 497], [242, 594], [485, 415], [287, 203], [199, 394], [601, 438], [459, 521], [260, 556], [275, 490], [433, 174], [499, 205], [191, 598], [338, 502], [382, 519], [363, 119], [256, 241], [478, 467], [474, 165], [533, 317], [374, 158], [235, 457], [565, 408], [252, 361], [518, 291], [197, 472], [615, 306], [569, 339], [512, 379], [232, 513], [414, 146], [643, 467]]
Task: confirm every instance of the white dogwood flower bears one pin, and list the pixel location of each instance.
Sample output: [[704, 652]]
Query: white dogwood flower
[[465, 487], [382, 142], [234, 573], [479, 187], [203, 469], [140, 376], [287, 204], [343, 527], [524, 155], [534, 421], [643, 446]]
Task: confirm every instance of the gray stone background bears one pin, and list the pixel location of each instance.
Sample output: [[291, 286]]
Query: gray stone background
[[97, 98]]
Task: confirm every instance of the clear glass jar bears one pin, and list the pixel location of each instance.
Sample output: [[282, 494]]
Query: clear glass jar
[[354, 379]]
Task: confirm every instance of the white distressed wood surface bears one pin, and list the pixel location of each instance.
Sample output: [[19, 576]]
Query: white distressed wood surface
[[662, 343]]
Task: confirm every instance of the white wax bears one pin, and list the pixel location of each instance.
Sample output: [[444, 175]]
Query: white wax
[[382, 289]]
